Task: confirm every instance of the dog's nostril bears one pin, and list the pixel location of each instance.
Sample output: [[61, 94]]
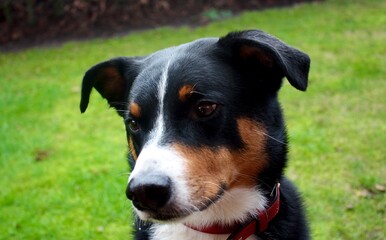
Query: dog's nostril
[[150, 192]]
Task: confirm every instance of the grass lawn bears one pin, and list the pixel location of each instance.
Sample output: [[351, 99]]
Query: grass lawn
[[63, 174]]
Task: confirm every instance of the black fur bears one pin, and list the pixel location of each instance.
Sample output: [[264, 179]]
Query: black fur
[[243, 72]]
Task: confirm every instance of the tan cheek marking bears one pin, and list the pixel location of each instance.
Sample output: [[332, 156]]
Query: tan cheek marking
[[135, 110], [132, 149], [252, 159], [185, 92], [207, 170]]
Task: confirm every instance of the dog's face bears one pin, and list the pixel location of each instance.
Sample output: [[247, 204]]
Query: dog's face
[[202, 119]]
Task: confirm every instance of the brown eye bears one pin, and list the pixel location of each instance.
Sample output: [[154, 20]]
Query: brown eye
[[132, 125], [205, 109]]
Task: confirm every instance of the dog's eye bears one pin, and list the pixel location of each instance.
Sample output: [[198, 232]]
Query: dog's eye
[[206, 108], [132, 125]]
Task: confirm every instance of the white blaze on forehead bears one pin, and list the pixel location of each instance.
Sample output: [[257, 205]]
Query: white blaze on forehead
[[157, 132], [154, 157]]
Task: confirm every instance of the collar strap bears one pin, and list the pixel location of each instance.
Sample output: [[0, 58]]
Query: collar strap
[[256, 225]]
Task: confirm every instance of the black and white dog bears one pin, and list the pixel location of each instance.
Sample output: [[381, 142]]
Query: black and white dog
[[207, 138]]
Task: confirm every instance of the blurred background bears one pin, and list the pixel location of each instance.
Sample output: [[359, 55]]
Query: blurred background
[[26, 23]]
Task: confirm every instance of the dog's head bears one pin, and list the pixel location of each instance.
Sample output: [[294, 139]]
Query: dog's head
[[202, 118]]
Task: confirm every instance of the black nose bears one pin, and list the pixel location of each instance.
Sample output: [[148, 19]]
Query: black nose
[[150, 192]]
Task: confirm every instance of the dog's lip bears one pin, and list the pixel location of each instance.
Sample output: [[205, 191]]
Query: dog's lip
[[210, 201], [165, 215], [175, 213]]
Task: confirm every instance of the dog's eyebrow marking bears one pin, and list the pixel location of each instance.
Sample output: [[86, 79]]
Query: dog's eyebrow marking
[[135, 110], [185, 92]]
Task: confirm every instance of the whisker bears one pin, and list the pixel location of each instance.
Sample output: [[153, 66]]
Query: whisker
[[259, 181], [273, 138], [247, 175], [210, 200], [124, 174], [192, 209], [213, 183], [120, 103], [121, 110]]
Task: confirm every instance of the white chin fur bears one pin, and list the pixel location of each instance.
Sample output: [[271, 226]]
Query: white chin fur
[[235, 205]]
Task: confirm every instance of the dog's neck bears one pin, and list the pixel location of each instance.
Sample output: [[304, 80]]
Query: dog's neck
[[257, 224], [237, 206]]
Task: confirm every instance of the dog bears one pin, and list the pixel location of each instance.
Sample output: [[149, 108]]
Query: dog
[[206, 136]]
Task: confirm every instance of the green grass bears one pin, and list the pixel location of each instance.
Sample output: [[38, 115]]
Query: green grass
[[63, 174]]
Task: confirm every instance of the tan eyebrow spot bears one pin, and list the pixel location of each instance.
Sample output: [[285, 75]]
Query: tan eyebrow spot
[[135, 110], [185, 92]]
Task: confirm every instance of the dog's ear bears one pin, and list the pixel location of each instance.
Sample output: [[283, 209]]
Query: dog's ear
[[112, 79], [260, 51]]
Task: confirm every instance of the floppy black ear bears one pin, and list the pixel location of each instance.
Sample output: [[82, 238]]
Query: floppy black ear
[[112, 79], [263, 51]]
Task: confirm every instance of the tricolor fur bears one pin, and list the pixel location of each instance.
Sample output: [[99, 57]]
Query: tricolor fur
[[206, 134]]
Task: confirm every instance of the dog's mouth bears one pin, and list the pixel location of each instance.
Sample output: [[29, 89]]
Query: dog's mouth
[[174, 211]]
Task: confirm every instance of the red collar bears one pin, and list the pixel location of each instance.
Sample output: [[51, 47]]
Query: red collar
[[256, 225]]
